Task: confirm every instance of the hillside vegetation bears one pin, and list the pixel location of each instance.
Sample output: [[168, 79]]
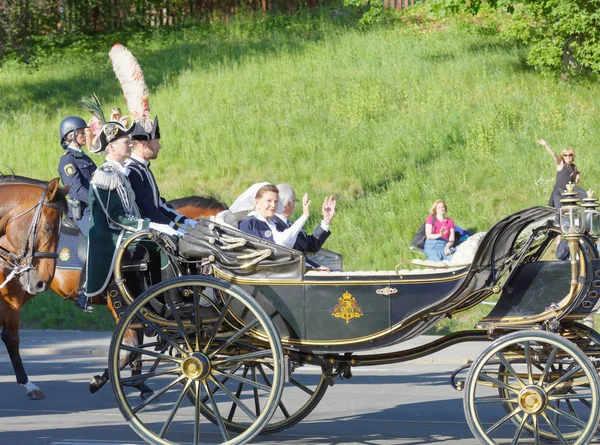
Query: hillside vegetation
[[387, 119]]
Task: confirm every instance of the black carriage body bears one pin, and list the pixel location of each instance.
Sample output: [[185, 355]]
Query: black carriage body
[[348, 311], [335, 311], [354, 311]]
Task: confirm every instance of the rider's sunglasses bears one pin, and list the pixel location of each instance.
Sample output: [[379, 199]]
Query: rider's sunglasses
[[568, 155]]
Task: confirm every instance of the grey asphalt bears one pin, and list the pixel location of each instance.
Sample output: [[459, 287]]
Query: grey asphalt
[[409, 403], [81, 343]]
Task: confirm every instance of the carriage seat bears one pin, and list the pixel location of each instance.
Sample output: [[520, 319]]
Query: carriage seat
[[463, 256], [240, 253], [229, 218], [323, 257]]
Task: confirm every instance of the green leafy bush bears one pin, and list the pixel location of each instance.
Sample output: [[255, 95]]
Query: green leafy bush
[[373, 10], [564, 34]]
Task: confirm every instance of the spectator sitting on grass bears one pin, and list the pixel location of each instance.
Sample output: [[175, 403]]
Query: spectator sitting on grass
[[439, 232]]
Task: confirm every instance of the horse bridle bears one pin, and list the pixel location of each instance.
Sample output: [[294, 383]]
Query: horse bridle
[[24, 262]]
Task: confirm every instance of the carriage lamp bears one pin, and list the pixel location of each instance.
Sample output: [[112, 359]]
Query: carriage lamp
[[571, 214], [572, 227], [591, 215]]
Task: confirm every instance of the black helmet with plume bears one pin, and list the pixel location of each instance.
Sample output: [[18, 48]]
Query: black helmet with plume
[[130, 75]]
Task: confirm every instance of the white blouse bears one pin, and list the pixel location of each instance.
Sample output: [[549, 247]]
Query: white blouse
[[287, 238]]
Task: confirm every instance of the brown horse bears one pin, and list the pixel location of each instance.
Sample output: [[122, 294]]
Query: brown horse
[[66, 281], [30, 215]]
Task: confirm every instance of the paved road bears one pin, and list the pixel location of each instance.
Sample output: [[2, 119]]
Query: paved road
[[411, 403]]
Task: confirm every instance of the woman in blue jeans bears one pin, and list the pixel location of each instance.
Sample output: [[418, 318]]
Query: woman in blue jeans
[[439, 232]]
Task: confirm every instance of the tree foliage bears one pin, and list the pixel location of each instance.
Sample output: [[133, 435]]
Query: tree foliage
[[373, 10], [564, 35], [15, 25]]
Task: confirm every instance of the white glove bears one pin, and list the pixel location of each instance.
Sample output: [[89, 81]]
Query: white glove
[[164, 228], [190, 222], [181, 231]]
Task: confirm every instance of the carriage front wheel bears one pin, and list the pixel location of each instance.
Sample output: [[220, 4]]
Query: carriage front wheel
[[532, 383], [192, 360]]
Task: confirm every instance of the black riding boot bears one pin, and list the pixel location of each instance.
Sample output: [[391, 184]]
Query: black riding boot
[[82, 300]]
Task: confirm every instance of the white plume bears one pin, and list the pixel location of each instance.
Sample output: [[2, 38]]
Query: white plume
[[131, 77]]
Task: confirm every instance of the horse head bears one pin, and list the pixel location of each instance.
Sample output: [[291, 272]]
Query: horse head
[[32, 230]]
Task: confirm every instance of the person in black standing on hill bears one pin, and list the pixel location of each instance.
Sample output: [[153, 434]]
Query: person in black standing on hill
[[566, 171]]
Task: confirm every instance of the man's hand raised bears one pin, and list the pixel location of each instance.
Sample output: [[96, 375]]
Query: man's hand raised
[[328, 209], [306, 205]]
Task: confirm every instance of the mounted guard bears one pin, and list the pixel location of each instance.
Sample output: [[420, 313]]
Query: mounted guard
[[76, 169]]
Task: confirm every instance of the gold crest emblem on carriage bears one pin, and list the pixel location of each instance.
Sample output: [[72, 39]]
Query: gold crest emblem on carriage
[[64, 254], [347, 308]]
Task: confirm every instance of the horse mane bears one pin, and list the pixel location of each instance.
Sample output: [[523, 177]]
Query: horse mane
[[22, 180], [13, 179], [206, 202]]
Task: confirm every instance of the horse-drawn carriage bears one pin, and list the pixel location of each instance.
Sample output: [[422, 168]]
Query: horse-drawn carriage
[[227, 341]]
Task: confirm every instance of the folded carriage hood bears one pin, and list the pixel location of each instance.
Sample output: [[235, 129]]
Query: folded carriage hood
[[491, 255], [241, 254], [498, 243]]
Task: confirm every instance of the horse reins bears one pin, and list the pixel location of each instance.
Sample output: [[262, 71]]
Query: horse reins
[[13, 262]]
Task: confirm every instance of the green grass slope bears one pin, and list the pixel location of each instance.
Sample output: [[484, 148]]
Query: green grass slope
[[387, 119]]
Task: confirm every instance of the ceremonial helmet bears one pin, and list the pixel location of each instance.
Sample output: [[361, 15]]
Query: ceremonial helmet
[[68, 125], [146, 129], [109, 132]]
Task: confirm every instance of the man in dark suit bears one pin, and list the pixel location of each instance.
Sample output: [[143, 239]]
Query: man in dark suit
[[304, 242], [146, 145]]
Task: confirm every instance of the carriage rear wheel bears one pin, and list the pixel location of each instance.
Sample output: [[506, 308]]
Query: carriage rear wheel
[[301, 395], [535, 383], [193, 363]]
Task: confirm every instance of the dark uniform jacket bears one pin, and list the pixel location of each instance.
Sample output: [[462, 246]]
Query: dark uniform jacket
[[257, 227], [114, 217], [147, 195], [76, 168], [304, 242]]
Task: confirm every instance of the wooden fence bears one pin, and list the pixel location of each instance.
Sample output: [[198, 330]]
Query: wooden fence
[[34, 17], [398, 4], [100, 15]]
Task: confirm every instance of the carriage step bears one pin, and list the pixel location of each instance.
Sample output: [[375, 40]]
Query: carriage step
[[135, 267]]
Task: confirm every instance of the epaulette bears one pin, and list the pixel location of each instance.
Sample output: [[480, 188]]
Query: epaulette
[[106, 177]]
